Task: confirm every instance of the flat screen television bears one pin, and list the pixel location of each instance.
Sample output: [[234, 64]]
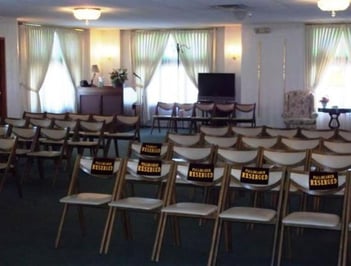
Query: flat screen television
[[218, 87]]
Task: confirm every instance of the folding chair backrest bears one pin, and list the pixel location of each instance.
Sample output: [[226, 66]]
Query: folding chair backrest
[[16, 122], [247, 131], [110, 121], [336, 146], [81, 117], [344, 134], [187, 140], [246, 110], [194, 154], [330, 161], [27, 138], [60, 116], [275, 179], [42, 123], [222, 142], [139, 150], [238, 157], [184, 109], [36, 115], [283, 132], [301, 144], [224, 109], [256, 142], [215, 130], [318, 133], [285, 158]]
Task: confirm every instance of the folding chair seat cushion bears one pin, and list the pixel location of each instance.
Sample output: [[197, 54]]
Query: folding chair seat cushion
[[248, 214], [190, 208], [87, 199], [314, 219], [138, 203]]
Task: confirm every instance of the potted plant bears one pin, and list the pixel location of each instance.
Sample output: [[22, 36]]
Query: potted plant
[[118, 77]]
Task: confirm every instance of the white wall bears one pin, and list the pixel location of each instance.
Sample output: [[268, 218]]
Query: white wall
[[272, 64], [9, 31], [281, 49]]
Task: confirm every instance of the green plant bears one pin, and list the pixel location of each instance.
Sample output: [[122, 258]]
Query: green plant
[[119, 75]]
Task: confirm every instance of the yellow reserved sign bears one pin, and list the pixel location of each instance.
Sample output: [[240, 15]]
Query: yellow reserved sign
[[323, 180], [149, 167], [201, 172], [102, 166], [254, 175], [151, 149]]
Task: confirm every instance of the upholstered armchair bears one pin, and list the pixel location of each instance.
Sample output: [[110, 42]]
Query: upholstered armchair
[[299, 109]]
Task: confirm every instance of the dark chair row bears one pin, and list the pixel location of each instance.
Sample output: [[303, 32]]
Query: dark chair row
[[199, 113]]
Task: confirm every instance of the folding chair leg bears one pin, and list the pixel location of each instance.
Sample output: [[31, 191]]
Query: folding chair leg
[[228, 236], [176, 230], [280, 245], [110, 229], [159, 237], [115, 141], [104, 235], [107, 147], [345, 247], [59, 231], [216, 235]]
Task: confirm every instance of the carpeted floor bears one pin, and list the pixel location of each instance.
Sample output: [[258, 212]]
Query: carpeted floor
[[29, 227]]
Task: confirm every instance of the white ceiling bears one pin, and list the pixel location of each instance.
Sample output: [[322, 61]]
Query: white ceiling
[[129, 14]]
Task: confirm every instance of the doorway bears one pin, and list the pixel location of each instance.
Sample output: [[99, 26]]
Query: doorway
[[3, 101]]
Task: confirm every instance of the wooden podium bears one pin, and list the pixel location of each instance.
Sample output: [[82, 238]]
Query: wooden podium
[[100, 100]]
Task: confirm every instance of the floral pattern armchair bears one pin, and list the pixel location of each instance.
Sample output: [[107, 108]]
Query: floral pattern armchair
[[299, 109]]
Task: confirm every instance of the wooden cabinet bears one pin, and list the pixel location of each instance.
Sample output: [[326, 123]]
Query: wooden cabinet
[[103, 101]]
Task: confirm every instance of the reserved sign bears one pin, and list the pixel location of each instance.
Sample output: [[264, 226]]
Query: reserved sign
[[102, 166], [323, 180], [254, 175], [149, 167], [151, 149], [201, 172]]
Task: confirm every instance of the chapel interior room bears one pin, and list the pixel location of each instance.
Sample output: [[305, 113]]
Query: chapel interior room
[[218, 132]]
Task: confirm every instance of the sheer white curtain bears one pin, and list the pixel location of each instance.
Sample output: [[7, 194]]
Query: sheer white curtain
[[147, 50], [58, 92], [72, 45], [321, 45], [35, 52], [328, 67], [196, 51]]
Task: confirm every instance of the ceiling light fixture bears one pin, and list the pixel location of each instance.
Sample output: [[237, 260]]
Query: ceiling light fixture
[[333, 6], [87, 14]]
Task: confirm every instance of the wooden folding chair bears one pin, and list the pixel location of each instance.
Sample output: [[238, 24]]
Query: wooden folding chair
[[92, 184], [333, 186], [151, 173], [246, 179], [215, 178]]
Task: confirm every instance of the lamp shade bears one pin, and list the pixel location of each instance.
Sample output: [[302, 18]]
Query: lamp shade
[[333, 5], [87, 13], [95, 69]]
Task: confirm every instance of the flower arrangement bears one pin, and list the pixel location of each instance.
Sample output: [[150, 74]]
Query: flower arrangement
[[324, 100], [119, 75]]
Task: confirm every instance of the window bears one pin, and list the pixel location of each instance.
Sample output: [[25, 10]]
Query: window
[[170, 82], [57, 93], [336, 79]]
